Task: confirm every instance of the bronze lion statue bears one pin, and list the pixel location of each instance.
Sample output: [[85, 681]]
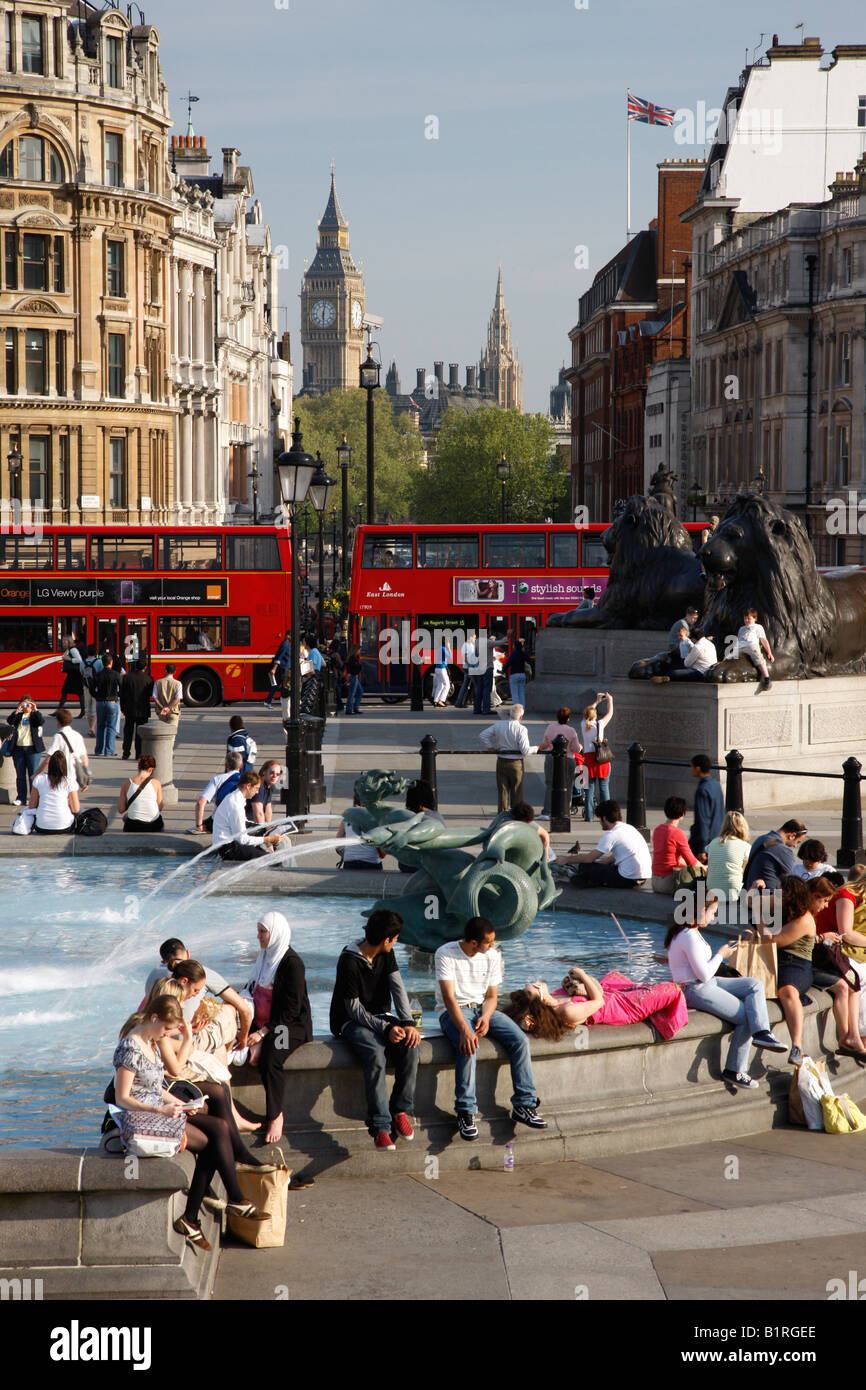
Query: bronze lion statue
[[654, 573], [760, 557]]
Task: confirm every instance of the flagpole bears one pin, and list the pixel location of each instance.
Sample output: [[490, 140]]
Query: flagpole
[[627, 171]]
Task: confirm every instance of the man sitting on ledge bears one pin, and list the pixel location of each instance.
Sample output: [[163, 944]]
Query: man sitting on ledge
[[229, 824], [621, 858]]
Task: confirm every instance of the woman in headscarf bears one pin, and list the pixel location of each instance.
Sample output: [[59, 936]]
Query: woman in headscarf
[[279, 990]]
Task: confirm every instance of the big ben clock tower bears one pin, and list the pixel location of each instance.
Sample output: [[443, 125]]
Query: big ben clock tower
[[332, 308]]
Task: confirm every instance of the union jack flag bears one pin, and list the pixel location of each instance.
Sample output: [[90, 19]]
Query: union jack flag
[[640, 110]]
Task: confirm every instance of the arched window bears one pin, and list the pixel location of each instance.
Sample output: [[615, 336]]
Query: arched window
[[31, 159]]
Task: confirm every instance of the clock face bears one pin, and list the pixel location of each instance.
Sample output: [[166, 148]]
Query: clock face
[[323, 313], [357, 313]]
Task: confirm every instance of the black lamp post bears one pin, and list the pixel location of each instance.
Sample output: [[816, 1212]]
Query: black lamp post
[[15, 460], [503, 473], [344, 458], [696, 498], [295, 469], [253, 475], [369, 382], [321, 487], [333, 549]]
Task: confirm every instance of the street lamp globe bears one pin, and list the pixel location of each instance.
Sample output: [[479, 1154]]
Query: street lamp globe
[[369, 372], [320, 487], [295, 469], [503, 469]]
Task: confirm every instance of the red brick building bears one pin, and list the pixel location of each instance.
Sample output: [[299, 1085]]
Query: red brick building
[[634, 314]]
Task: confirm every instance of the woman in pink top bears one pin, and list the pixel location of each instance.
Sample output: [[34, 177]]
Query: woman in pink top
[[582, 999], [552, 731], [671, 848]]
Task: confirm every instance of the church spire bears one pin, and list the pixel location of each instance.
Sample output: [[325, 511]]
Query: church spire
[[499, 364]]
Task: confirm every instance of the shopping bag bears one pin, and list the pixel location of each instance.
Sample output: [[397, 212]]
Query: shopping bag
[[267, 1188], [757, 960], [814, 1085], [841, 1115]]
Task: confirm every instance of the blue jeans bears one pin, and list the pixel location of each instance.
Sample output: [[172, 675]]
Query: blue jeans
[[481, 690], [353, 697], [373, 1052], [26, 761], [741, 1002], [107, 720], [597, 789], [516, 1043], [517, 686], [466, 689]]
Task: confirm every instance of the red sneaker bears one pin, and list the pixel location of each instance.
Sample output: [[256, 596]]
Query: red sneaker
[[403, 1125], [384, 1141]]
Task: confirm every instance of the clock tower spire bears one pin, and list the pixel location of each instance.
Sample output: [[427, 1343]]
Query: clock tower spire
[[332, 307]]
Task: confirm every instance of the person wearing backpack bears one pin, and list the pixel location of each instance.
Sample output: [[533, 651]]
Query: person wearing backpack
[[73, 669], [239, 741], [233, 768]]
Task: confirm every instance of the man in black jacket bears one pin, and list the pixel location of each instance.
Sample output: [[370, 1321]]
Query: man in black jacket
[[773, 856], [290, 1025], [368, 984], [135, 689], [106, 690]]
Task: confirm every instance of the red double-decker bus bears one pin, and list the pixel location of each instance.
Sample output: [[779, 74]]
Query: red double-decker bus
[[507, 580], [213, 600]]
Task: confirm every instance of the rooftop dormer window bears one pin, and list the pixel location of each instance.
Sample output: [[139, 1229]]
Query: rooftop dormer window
[[32, 44], [113, 62]]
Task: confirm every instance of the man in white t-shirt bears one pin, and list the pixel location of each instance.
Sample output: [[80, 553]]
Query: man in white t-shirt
[[468, 976], [233, 767], [67, 741], [469, 657], [621, 859]]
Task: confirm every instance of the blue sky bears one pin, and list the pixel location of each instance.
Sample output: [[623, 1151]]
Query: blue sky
[[530, 157]]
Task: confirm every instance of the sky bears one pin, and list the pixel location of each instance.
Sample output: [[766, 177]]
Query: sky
[[529, 161]]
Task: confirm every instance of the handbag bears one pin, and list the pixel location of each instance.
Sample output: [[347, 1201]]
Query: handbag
[[81, 770], [7, 747], [757, 960], [90, 822], [267, 1188], [841, 1115], [152, 1136], [24, 821], [828, 955], [603, 750]]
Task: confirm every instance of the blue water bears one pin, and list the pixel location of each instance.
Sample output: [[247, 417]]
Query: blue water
[[77, 945]]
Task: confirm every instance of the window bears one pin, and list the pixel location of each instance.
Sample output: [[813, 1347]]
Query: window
[[115, 269], [847, 265], [34, 261], [59, 266], [60, 364], [861, 112], [155, 275], [59, 29], [514, 550], [24, 634], [190, 553], [113, 160], [10, 261], [190, 633], [40, 476], [844, 359], [252, 553], [593, 553], [34, 358], [113, 62], [238, 632], [26, 553], [32, 59], [563, 550], [447, 552], [117, 478], [121, 552], [6, 161], [71, 550], [63, 471], [387, 553], [9, 41], [116, 364], [842, 451], [780, 347], [237, 472], [11, 362]]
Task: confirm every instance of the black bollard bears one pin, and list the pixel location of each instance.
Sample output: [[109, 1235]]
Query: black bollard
[[734, 782], [560, 786], [851, 848], [314, 728], [416, 687], [428, 766], [636, 798], [296, 796]]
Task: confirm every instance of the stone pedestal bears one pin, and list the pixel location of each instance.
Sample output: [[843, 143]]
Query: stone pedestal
[[157, 739], [811, 726]]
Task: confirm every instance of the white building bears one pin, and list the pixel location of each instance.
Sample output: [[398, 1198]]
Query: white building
[[667, 423]]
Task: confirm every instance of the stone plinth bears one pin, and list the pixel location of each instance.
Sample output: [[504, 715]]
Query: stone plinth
[[812, 726], [157, 739]]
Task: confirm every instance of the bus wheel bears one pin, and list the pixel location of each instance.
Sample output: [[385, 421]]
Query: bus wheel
[[201, 688], [393, 699]]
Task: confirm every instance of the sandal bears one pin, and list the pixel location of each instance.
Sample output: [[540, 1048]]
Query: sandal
[[246, 1210], [193, 1233]]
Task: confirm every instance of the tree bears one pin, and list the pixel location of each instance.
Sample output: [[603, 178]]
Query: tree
[[398, 451], [461, 484]]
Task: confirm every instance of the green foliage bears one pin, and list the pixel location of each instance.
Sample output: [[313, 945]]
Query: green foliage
[[461, 484], [398, 452]]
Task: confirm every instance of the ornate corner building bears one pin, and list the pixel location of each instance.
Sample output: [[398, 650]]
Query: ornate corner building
[[332, 308], [86, 220]]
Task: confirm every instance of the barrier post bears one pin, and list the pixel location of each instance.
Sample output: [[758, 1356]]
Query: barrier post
[[428, 766], [636, 799], [416, 689], [560, 786], [734, 781], [851, 848]]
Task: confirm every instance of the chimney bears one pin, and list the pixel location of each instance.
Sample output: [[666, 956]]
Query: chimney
[[189, 156], [230, 166], [420, 374], [453, 373], [470, 378], [286, 347], [438, 372]]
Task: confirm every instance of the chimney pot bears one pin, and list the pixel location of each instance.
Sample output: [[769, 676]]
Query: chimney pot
[[453, 373], [420, 374], [438, 369]]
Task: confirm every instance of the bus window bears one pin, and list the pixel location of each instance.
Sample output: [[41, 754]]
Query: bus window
[[448, 552], [26, 635], [368, 638], [72, 552], [237, 631], [191, 633], [121, 552], [563, 550], [252, 552], [26, 553], [497, 628], [513, 550], [387, 553], [191, 552], [76, 628], [594, 554]]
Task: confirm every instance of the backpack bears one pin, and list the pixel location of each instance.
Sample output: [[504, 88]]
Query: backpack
[[92, 667], [240, 742], [91, 822], [227, 787]]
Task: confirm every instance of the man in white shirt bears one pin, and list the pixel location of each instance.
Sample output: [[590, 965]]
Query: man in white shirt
[[67, 741], [511, 743], [233, 765], [468, 976], [469, 655], [229, 824], [698, 653], [621, 858]]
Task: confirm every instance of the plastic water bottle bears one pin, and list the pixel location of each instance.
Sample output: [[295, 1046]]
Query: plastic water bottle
[[509, 1158], [416, 1011]]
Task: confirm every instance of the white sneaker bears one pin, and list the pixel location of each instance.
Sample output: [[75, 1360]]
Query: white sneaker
[[16, 802]]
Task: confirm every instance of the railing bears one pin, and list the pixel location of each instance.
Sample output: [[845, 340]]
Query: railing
[[560, 791]]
